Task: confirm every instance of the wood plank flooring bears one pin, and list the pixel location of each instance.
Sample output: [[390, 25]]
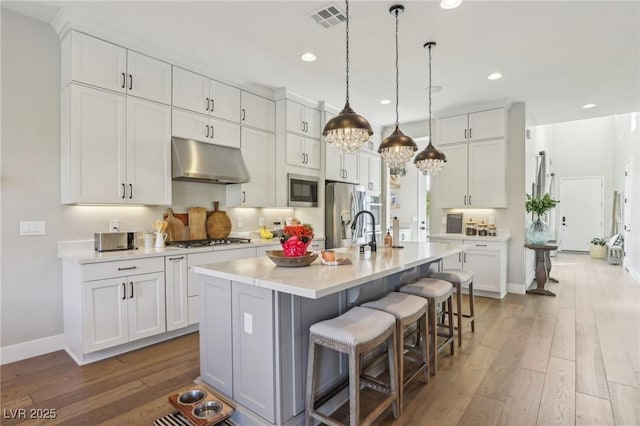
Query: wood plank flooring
[[533, 360]]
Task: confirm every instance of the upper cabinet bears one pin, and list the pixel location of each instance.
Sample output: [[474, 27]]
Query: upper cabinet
[[471, 127], [257, 112], [200, 94], [370, 171], [303, 152], [302, 119], [92, 61], [201, 128]]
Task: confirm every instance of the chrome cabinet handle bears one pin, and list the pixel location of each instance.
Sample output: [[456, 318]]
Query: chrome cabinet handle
[[130, 82], [124, 190], [130, 191], [127, 268], [131, 297], [124, 291], [124, 80], [207, 107]]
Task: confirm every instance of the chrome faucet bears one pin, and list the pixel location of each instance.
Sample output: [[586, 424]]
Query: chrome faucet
[[371, 243]]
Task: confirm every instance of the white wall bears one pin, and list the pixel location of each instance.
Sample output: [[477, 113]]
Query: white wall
[[31, 287]]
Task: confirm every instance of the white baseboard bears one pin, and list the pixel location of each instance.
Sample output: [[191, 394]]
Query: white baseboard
[[635, 275], [516, 288], [31, 348]]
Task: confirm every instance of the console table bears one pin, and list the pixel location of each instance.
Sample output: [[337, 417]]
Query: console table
[[543, 268]]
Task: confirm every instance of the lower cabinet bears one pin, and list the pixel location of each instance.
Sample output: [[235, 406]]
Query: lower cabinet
[[487, 260], [177, 304], [237, 343]]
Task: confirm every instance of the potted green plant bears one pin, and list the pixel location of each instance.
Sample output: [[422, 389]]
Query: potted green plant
[[598, 249], [538, 231]]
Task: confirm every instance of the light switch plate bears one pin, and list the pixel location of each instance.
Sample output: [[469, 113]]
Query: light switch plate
[[239, 222], [248, 323], [32, 228]]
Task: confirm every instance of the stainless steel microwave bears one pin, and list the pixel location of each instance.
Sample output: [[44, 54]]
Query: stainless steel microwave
[[302, 191]]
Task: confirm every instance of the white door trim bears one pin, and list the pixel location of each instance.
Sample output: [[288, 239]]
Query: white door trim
[[562, 213]]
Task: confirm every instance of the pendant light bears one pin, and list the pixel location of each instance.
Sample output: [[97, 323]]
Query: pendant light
[[348, 131], [430, 160], [398, 148]]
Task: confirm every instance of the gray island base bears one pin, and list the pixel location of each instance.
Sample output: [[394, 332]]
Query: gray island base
[[255, 318]]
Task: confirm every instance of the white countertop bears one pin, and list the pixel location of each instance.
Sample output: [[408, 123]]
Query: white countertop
[[317, 280], [501, 237]]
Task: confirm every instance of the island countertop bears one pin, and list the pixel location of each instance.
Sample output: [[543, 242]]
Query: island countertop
[[317, 280]]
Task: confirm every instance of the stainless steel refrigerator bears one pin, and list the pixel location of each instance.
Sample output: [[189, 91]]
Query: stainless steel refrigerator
[[342, 202]]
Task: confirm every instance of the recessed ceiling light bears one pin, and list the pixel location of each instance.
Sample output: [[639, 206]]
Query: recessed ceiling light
[[308, 57], [450, 4], [385, 102], [587, 106], [494, 76]]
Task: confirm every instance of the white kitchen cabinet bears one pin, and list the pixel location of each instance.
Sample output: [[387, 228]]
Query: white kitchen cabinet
[[259, 153], [370, 171], [115, 149], [197, 127], [303, 151], [118, 308], [486, 259], [176, 290], [302, 119], [257, 112], [341, 167], [474, 126], [92, 61], [197, 93], [372, 144], [475, 175]]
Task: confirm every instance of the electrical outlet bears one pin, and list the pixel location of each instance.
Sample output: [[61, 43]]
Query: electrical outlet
[[248, 323], [114, 225], [261, 221], [239, 222], [32, 228]]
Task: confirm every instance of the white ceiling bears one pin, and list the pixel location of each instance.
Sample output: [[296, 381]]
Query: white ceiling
[[555, 56]]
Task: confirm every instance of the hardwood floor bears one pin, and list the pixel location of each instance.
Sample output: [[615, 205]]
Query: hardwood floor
[[533, 360]]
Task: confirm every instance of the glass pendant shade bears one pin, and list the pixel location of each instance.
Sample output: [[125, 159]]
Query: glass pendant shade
[[347, 131], [430, 161], [397, 149]]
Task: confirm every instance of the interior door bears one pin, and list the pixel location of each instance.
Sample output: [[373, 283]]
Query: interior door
[[581, 212], [626, 215]]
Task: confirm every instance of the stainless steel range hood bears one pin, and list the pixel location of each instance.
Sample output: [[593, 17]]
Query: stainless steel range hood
[[203, 162]]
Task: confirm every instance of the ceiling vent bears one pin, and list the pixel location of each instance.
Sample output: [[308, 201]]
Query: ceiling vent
[[328, 16]]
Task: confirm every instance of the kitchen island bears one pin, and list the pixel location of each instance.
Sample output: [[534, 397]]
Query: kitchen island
[[255, 319]]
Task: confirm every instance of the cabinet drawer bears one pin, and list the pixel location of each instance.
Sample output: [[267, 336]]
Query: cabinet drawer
[[122, 268], [482, 245]]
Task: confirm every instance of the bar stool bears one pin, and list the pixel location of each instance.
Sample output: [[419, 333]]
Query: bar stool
[[459, 278], [435, 291], [354, 333], [407, 309]]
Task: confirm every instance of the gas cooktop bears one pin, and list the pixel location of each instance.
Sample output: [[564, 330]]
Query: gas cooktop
[[209, 242]]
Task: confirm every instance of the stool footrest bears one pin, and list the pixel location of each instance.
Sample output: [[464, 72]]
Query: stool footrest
[[325, 419], [375, 384]]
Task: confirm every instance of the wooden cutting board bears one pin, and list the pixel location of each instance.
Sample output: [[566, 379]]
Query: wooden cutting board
[[176, 229], [197, 223], [218, 223]]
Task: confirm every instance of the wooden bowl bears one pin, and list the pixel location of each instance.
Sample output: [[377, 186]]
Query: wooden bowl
[[278, 257]]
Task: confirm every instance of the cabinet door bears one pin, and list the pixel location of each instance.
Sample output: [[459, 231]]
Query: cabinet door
[[97, 62], [104, 313], [487, 174], [259, 153], [312, 122], [312, 151], [485, 265], [223, 132], [363, 167], [375, 166], [215, 334], [452, 180], [146, 310], [486, 124], [253, 333], [176, 292], [452, 129], [258, 112], [94, 161], [225, 101], [190, 91], [350, 167], [148, 152], [295, 150], [295, 117], [148, 78], [190, 126], [332, 163]]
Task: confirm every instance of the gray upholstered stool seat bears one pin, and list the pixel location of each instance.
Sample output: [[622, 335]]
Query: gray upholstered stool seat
[[407, 309], [436, 291], [355, 333], [460, 278]]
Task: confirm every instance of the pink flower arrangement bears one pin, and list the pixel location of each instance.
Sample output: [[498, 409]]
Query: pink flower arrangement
[[296, 239]]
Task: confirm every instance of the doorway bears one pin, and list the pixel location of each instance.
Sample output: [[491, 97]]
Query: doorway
[[626, 213], [581, 212]]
